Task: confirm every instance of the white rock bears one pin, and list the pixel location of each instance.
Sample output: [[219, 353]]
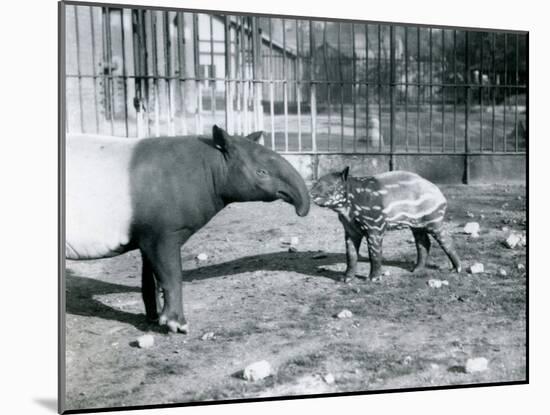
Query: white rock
[[472, 228], [477, 268], [505, 229], [407, 360], [386, 273], [257, 371], [207, 336], [434, 283], [470, 214], [434, 366], [344, 314], [478, 364], [202, 256], [521, 267], [146, 341], [294, 240], [512, 241], [502, 272], [329, 378]]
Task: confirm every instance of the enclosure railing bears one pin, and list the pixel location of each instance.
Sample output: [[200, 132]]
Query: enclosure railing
[[314, 86]]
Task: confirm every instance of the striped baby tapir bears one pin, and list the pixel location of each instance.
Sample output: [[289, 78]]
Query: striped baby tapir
[[368, 206]]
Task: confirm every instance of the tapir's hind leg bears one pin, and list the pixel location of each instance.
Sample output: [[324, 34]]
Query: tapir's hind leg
[[374, 239], [423, 244], [164, 256], [444, 239]]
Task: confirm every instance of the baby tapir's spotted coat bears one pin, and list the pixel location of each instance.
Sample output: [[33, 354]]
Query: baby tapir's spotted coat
[[368, 206]]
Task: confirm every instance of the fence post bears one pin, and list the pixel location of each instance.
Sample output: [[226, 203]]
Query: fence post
[[392, 97], [313, 101], [228, 95], [466, 178], [257, 74]]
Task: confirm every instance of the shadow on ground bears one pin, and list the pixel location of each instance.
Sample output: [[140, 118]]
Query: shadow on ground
[[82, 290]]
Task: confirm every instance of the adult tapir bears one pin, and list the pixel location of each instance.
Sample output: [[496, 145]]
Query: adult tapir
[[152, 194]]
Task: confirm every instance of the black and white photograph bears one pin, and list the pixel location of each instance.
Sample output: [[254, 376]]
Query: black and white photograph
[[262, 206]]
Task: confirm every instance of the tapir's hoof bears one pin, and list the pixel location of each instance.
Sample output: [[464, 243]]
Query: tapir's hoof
[[173, 325], [458, 269], [346, 278], [375, 278]]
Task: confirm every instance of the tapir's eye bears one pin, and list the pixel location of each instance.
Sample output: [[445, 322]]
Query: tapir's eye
[[262, 172]]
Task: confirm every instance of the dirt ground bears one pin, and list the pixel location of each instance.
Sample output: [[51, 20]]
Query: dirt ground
[[265, 303]]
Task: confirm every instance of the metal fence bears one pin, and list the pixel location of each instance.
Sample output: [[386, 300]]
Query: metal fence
[[314, 86]]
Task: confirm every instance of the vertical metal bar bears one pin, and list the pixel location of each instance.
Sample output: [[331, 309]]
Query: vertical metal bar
[[271, 86], [493, 89], [238, 85], [144, 70], [244, 68], [211, 73], [108, 78], [94, 68], [430, 39], [505, 89], [341, 77], [137, 74], [298, 87], [481, 92], [109, 40], [257, 62], [78, 71], [418, 88], [313, 95], [380, 86], [455, 75], [406, 28], [227, 64], [285, 86], [198, 84], [467, 112], [154, 39], [354, 86], [443, 101], [124, 71], [181, 55], [327, 84], [392, 97], [517, 93], [367, 87]]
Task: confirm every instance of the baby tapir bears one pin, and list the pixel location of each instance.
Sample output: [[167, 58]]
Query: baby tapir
[[368, 206]]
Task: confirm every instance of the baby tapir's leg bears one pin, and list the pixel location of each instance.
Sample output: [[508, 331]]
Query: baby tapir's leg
[[422, 241], [375, 237], [353, 243], [443, 238]]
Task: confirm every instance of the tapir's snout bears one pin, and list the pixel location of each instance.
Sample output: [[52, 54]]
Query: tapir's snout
[[298, 197], [295, 192]]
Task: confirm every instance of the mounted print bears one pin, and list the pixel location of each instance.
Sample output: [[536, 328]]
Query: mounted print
[[256, 207]]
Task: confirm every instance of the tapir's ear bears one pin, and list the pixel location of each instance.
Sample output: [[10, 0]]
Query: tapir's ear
[[345, 173], [221, 139], [255, 136]]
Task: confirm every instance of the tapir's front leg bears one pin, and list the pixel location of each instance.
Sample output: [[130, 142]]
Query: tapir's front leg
[[353, 243], [149, 290], [163, 252]]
